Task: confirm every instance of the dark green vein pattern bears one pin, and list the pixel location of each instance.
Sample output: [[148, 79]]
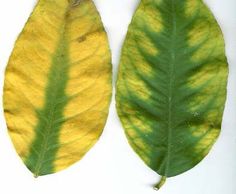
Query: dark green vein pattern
[[171, 85]]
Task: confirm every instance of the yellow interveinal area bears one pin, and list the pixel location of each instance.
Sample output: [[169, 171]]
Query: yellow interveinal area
[[87, 111], [26, 75], [213, 71], [88, 87]]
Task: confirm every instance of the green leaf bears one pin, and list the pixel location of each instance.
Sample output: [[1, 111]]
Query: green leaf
[[171, 86]]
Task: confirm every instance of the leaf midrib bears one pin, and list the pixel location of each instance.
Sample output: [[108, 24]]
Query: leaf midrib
[[171, 79], [49, 124]]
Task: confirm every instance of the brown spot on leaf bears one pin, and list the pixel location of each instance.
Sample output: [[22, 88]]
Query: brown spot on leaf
[[81, 39]]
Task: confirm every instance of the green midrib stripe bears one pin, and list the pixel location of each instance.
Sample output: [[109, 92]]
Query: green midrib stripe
[[171, 78], [164, 168], [45, 145]]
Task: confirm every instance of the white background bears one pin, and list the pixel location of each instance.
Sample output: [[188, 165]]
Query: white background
[[111, 167]]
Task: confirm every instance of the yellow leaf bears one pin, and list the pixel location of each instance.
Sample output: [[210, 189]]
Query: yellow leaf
[[58, 85]]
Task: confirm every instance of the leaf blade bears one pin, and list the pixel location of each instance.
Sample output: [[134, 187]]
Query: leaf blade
[[65, 48], [171, 85]]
